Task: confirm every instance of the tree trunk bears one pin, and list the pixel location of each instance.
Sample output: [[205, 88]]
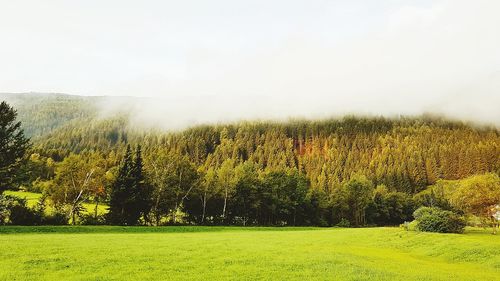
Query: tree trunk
[[225, 204], [157, 219], [96, 208], [204, 207], [157, 203], [174, 215]]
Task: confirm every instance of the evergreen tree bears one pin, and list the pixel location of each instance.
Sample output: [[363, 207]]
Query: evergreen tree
[[122, 192], [141, 204], [13, 146], [130, 195]]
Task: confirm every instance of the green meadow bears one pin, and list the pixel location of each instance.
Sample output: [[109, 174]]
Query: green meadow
[[235, 253], [32, 199]]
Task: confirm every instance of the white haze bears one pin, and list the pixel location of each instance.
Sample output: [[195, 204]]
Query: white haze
[[212, 61]]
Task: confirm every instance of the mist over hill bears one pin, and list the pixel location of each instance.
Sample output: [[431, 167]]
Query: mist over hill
[[42, 113]]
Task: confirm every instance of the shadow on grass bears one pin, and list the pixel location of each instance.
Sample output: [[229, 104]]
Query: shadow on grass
[[139, 229]]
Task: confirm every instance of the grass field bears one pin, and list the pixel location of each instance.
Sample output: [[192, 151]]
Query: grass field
[[231, 253], [32, 199]]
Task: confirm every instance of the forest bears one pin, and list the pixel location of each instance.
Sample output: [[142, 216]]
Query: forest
[[350, 171]]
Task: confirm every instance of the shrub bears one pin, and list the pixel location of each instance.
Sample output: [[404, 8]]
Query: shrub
[[89, 219], [6, 203], [430, 219], [423, 211], [56, 218], [15, 211], [20, 214], [344, 223]]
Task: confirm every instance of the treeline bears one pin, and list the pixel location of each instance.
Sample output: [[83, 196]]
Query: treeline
[[350, 171], [171, 190]]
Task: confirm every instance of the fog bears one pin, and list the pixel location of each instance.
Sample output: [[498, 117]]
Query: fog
[[198, 63]]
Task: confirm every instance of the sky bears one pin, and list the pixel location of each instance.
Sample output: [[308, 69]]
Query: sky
[[206, 61]]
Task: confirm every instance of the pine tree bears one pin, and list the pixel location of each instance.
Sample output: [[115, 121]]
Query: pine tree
[[130, 196], [141, 204], [121, 192], [13, 146]]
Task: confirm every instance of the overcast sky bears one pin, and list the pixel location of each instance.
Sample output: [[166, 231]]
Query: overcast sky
[[260, 59]]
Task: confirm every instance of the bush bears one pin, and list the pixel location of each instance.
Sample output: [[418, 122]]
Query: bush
[[20, 214], [430, 219], [15, 211], [57, 218], [6, 203], [89, 219], [344, 223]]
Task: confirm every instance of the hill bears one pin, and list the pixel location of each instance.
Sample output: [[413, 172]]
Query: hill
[[404, 155]]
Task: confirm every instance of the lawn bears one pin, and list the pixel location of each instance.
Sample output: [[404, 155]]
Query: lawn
[[232, 253]]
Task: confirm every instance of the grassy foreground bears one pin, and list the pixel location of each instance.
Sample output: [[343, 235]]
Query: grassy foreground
[[231, 253]]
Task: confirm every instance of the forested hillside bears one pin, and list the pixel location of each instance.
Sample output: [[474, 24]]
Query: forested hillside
[[42, 113], [211, 172]]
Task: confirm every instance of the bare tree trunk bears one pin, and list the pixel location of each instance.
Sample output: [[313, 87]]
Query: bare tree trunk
[[204, 207], [225, 204], [77, 199], [96, 208]]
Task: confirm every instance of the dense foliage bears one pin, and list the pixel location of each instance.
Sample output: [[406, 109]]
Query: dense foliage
[[13, 146], [352, 170], [431, 219], [129, 199], [42, 113]]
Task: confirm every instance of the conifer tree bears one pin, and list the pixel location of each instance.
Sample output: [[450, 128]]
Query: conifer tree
[[130, 195], [121, 192], [141, 196], [13, 146]]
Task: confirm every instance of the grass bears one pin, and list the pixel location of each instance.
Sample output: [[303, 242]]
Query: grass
[[32, 199], [234, 253]]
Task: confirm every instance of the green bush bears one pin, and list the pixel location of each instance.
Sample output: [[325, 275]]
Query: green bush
[[90, 219], [430, 219], [15, 211], [20, 214], [6, 203], [344, 223]]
